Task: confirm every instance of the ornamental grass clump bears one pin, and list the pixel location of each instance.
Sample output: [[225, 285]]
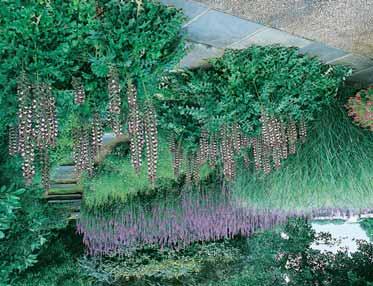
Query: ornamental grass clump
[[333, 169]]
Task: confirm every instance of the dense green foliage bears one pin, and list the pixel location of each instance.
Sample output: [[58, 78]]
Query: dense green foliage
[[27, 223], [196, 264], [57, 263], [52, 42], [367, 225], [240, 85], [288, 259], [267, 258]]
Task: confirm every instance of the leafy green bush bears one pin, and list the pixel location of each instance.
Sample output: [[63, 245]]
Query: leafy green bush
[[285, 257], [53, 42], [27, 223], [240, 85], [57, 263], [149, 266], [367, 225]]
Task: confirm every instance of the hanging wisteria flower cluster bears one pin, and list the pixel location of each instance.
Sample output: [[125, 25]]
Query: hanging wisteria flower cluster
[[177, 154], [143, 132], [83, 151], [88, 141], [275, 143], [37, 127], [97, 133], [135, 127], [151, 140], [114, 107], [79, 92]]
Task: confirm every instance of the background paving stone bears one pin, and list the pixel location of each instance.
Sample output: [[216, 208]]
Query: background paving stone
[[345, 24], [272, 36], [324, 52], [365, 77], [219, 29], [199, 54], [191, 9], [326, 21], [64, 173], [356, 62]]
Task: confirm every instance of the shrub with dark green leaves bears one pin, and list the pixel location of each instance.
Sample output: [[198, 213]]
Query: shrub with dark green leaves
[[237, 87], [193, 265], [57, 262], [71, 46], [258, 99], [26, 224]]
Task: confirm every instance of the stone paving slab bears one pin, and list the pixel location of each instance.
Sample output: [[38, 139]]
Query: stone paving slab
[[356, 62], [270, 36], [65, 188], [323, 52], [198, 55], [345, 24], [191, 9], [219, 29], [64, 173], [364, 77], [108, 138]]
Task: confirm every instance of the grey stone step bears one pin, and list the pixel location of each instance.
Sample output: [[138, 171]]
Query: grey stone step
[[198, 55], [191, 9], [64, 197], [65, 189], [219, 29], [64, 175], [108, 138], [71, 201]]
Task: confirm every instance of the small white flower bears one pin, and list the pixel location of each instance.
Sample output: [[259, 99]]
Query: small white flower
[[286, 278], [284, 235]]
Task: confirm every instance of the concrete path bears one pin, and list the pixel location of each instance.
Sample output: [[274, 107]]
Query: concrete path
[[210, 31]]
